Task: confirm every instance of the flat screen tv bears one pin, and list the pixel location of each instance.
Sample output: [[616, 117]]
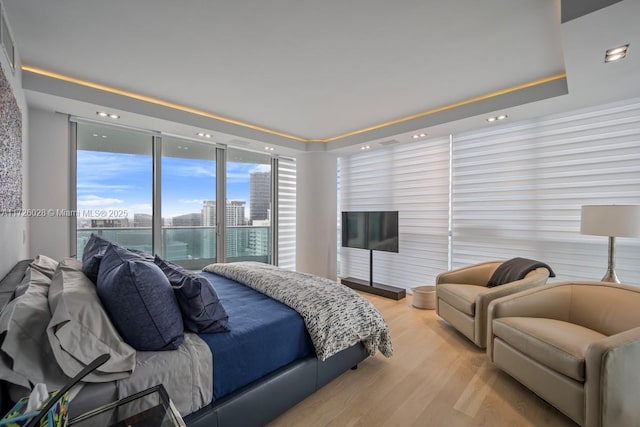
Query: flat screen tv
[[377, 230]]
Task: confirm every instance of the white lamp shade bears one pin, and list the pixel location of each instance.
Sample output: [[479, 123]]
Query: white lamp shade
[[611, 220]]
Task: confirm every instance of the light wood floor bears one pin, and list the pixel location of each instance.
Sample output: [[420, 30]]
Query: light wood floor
[[436, 377]]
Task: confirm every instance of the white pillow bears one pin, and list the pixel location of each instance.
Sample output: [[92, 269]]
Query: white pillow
[[80, 330]]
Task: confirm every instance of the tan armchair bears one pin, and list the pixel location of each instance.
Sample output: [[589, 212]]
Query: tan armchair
[[576, 345], [462, 296]]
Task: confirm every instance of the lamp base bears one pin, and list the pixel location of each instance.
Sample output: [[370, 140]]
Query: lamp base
[[611, 272], [610, 277]]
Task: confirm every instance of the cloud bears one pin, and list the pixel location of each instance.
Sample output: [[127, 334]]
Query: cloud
[[191, 202], [145, 207], [100, 166], [261, 168], [92, 187], [189, 170], [241, 171], [97, 201], [237, 177]]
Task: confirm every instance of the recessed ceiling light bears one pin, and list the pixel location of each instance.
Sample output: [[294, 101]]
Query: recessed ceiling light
[[500, 117], [616, 53], [204, 135], [269, 148], [419, 135], [110, 115], [365, 147]]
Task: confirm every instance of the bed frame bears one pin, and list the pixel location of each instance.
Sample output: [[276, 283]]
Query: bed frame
[[253, 405]]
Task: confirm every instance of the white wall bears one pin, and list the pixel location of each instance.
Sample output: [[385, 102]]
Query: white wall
[[49, 171], [14, 230], [316, 219]]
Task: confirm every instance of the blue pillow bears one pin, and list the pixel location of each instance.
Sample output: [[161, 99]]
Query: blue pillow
[[201, 308], [92, 255], [139, 300]]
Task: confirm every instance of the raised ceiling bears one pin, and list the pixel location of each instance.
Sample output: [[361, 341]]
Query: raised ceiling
[[332, 70]]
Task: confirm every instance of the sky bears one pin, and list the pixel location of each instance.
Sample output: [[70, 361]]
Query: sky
[[120, 181]]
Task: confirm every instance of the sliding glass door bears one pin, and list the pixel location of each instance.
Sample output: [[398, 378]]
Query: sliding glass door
[[114, 181], [188, 202], [248, 207]]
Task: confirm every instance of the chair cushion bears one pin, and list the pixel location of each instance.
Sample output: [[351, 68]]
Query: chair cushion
[[558, 345], [462, 297]]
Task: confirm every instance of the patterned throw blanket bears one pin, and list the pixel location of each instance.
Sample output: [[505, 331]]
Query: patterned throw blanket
[[336, 317]]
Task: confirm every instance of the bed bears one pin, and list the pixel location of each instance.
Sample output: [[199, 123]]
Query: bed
[[257, 387]]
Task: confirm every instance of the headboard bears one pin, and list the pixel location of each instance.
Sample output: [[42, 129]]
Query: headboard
[[7, 286]]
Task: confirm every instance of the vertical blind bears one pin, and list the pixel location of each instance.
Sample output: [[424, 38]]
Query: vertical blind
[[287, 213], [414, 180], [518, 190]]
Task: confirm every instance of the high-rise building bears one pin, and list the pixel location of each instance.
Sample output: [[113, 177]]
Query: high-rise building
[[235, 213], [109, 223], [188, 220], [259, 241], [209, 213], [259, 195], [142, 220], [236, 239]]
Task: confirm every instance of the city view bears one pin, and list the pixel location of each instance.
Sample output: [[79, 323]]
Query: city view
[[119, 187]]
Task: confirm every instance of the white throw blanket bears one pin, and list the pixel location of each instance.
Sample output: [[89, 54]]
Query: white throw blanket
[[336, 317]]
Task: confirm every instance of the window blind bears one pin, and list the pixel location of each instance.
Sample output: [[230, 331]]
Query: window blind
[[518, 190], [287, 213], [414, 180]]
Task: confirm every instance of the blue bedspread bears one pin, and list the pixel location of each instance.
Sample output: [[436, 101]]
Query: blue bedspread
[[264, 335]]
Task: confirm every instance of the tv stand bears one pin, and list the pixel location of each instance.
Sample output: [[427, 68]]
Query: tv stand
[[374, 288]]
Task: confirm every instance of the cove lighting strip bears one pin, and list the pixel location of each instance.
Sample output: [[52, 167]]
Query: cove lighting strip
[[209, 115]]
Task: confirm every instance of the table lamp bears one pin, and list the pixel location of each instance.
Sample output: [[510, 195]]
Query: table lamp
[[612, 221]]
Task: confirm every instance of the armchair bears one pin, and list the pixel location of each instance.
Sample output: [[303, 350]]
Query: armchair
[[576, 345], [462, 296]]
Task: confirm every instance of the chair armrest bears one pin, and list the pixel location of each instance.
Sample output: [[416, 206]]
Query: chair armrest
[[478, 274], [612, 383], [534, 279], [551, 301]]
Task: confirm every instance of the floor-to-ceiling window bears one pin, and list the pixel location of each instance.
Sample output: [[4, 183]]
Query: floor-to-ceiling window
[[248, 206], [114, 186], [188, 202], [177, 213], [515, 190], [414, 180]]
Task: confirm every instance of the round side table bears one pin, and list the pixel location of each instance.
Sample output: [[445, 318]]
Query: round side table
[[424, 297]]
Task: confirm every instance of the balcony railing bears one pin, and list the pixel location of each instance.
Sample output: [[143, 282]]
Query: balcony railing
[[191, 246]]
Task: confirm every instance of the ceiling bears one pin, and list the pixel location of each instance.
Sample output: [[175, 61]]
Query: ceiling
[[318, 75]]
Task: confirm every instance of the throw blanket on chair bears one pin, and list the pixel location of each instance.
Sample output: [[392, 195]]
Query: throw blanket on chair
[[336, 317], [515, 269]]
